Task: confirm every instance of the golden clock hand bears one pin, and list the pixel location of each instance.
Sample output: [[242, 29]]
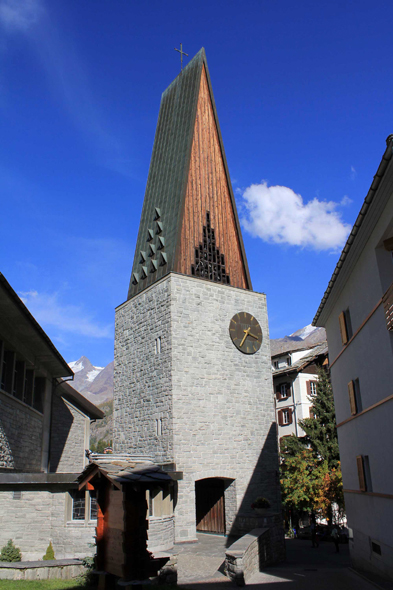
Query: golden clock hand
[[244, 337], [256, 337]]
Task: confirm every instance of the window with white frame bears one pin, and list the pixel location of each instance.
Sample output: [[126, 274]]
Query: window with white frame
[[313, 387], [284, 390], [286, 417], [82, 506]]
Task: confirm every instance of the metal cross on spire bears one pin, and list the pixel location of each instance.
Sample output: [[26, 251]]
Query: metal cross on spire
[[181, 55]]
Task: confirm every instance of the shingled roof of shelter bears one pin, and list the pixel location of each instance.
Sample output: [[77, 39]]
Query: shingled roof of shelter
[[303, 361], [124, 471], [168, 173]]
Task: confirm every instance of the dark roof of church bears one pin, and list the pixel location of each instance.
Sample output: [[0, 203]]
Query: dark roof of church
[[67, 391], [26, 328], [168, 172]]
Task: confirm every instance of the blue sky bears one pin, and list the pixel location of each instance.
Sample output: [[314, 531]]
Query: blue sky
[[304, 97]]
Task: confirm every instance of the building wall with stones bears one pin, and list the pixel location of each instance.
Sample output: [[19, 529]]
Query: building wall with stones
[[161, 534], [216, 402], [21, 431], [70, 437], [142, 375], [39, 517], [223, 412]]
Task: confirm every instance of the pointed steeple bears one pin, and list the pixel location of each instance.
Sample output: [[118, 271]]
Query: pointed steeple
[[189, 222]]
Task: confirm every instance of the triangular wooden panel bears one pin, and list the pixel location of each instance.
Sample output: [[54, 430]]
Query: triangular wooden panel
[[208, 196]]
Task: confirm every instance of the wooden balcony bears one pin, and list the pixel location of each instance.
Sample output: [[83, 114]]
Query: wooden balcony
[[387, 301]]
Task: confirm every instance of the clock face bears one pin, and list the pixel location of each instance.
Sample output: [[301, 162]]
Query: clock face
[[246, 333]]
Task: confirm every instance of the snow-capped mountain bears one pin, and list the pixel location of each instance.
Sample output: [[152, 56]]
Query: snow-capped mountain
[[305, 332], [305, 337], [95, 383]]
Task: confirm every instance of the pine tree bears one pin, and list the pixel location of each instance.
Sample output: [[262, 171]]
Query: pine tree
[[50, 554], [10, 553], [321, 430]]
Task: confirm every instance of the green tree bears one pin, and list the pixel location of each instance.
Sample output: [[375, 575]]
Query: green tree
[[50, 554], [321, 430], [310, 471], [10, 553]]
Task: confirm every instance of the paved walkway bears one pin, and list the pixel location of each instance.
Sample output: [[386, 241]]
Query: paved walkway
[[306, 568]]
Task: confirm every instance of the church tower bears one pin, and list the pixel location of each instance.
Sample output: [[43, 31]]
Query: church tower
[[193, 384]]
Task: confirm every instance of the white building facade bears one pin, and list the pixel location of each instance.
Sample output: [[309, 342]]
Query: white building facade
[[295, 376], [356, 311]]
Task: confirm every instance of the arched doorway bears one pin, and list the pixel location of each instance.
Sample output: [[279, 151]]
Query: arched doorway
[[210, 505]]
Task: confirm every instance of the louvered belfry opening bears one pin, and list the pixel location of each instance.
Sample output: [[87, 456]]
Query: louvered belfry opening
[[209, 262]]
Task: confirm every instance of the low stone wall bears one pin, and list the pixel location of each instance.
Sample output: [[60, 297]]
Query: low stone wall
[[161, 533], [250, 554], [60, 569]]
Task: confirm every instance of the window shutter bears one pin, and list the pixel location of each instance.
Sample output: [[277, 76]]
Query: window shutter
[[280, 420], [278, 392], [290, 416], [352, 398], [343, 328], [362, 481], [288, 389], [308, 388]]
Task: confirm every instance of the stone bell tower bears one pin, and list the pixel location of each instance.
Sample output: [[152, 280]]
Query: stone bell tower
[[193, 384]]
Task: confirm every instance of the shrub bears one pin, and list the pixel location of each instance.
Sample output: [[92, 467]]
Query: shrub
[[10, 553], [50, 554]]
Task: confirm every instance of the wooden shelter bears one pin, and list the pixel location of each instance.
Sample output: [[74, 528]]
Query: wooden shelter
[[122, 523]]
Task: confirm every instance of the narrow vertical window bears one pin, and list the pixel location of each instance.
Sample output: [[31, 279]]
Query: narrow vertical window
[[158, 345], [343, 328], [362, 480], [352, 398], [367, 473], [158, 426]]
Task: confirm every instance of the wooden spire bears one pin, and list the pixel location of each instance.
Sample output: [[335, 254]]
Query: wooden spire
[[189, 222]]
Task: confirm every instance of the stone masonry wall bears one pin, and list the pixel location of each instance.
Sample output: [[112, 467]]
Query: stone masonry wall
[[142, 378], [68, 437], [39, 517], [223, 411], [161, 533], [216, 403], [21, 430]]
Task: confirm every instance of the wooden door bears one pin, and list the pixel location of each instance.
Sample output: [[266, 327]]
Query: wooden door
[[210, 505]]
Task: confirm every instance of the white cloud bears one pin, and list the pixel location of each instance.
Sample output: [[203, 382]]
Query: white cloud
[[278, 215], [49, 311], [19, 15], [345, 201]]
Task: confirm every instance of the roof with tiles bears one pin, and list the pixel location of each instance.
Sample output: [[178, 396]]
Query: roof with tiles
[[305, 360]]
